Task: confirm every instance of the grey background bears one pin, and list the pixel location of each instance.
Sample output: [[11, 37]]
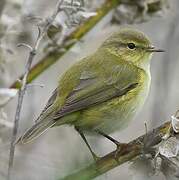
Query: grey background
[[61, 150]]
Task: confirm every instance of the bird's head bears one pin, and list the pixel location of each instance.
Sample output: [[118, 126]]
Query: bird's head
[[130, 45]]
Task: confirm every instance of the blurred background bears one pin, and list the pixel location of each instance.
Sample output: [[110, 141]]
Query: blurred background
[[61, 150]]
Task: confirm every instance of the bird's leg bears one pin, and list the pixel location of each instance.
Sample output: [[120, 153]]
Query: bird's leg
[[119, 145], [95, 157]]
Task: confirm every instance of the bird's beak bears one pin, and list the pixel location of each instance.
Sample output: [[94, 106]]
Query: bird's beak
[[153, 49]]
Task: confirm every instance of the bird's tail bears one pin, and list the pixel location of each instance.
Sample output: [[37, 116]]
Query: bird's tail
[[36, 130]]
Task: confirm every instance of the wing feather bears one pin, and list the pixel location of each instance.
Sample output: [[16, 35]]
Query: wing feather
[[82, 86], [92, 90], [91, 100], [48, 105]]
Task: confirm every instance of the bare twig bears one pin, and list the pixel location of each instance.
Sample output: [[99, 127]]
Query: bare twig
[[129, 152], [22, 91]]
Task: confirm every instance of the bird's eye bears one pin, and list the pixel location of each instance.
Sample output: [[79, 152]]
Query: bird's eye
[[131, 45]]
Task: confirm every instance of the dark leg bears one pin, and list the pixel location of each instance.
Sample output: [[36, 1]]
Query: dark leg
[[110, 138], [95, 157], [118, 144]]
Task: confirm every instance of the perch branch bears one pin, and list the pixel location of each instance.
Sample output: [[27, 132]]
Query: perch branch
[[24, 83], [53, 56], [133, 149]]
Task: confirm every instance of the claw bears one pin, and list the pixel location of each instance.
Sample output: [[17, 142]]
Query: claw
[[95, 157], [120, 148]]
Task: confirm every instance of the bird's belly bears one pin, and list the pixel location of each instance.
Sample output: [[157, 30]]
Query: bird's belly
[[114, 114]]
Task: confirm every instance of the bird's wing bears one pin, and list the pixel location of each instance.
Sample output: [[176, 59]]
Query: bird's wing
[[84, 85], [94, 88], [76, 103], [48, 105]]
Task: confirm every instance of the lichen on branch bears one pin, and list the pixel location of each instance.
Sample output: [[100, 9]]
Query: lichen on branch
[[139, 146]]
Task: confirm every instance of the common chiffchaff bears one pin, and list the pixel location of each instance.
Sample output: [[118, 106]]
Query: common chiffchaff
[[102, 92]]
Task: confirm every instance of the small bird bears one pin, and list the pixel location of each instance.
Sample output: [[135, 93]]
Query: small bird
[[102, 92]]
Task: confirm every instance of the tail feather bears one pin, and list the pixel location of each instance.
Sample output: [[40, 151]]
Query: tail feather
[[36, 130]]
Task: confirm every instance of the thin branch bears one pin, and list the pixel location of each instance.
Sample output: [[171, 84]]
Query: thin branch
[[24, 83], [133, 149], [21, 94]]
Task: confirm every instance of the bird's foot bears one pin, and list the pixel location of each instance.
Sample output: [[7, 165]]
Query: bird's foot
[[95, 157], [120, 148]]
